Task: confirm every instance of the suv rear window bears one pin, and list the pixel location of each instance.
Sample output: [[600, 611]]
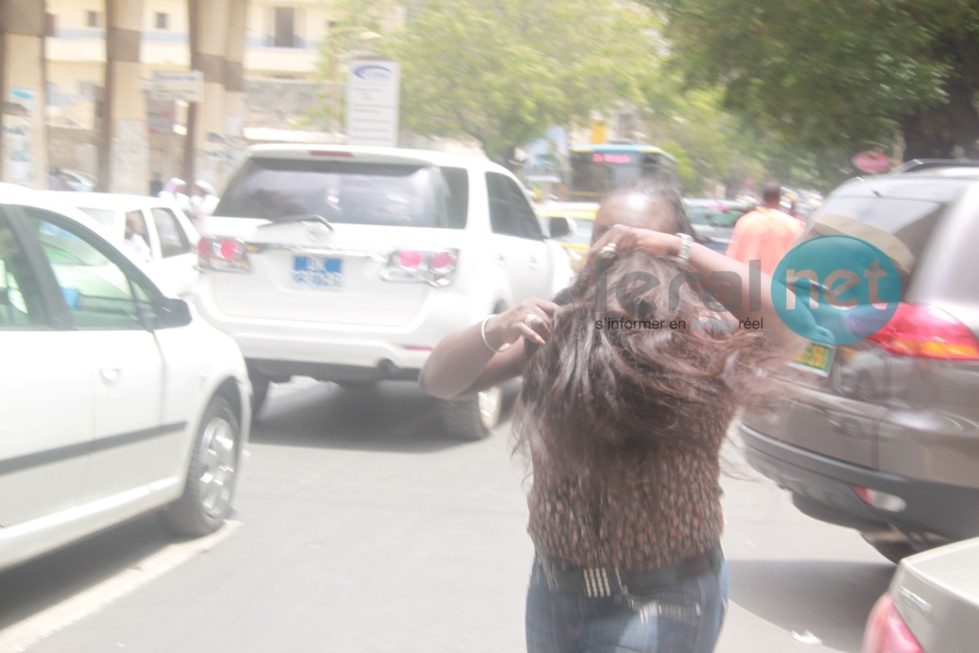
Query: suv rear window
[[344, 192], [898, 227]]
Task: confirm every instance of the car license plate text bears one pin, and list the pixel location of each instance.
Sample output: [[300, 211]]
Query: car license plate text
[[317, 273]]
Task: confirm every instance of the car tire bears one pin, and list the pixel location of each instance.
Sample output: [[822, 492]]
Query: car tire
[[211, 476], [473, 417], [260, 390], [893, 550]]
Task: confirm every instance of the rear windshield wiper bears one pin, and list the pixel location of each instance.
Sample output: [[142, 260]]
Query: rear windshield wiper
[[303, 217]]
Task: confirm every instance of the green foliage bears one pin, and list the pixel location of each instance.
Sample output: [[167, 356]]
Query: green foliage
[[502, 72], [828, 74]]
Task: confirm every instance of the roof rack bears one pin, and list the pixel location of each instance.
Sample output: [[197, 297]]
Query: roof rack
[[915, 165]]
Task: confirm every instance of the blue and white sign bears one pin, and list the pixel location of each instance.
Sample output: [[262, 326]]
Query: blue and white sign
[[373, 102]]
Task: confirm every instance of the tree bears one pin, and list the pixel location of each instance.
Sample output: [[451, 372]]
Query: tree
[[839, 73], [502, 72]]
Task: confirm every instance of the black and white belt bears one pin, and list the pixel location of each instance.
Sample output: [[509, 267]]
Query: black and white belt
[[597, 582]]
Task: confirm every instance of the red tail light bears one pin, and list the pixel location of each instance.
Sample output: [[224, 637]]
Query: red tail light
[[228, 254], [927, 332], [434, 267], [887, 632], [409, 259]]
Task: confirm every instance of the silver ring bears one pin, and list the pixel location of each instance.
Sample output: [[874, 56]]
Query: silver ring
[[530, 319], [608, 251]]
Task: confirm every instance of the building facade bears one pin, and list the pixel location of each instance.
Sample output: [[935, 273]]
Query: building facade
[[279, 65]]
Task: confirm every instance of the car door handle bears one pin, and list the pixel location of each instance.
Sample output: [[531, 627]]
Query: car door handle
[[500, 259], [532, 262], [109, 374]]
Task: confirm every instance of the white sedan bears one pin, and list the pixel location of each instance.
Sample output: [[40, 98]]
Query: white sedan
[[114, 399], [156, 231]]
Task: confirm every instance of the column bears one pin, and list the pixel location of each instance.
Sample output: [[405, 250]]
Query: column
[[209, 39], [24, 146], [124, 149]]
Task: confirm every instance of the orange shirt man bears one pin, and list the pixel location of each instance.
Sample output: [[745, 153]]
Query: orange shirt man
[[766, 234]]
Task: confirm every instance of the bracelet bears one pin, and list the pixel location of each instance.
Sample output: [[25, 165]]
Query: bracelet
[[482, 332], [686, 242]]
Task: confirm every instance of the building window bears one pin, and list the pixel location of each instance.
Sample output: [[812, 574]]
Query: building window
[[162, 20], [284, 27], [93, 18]]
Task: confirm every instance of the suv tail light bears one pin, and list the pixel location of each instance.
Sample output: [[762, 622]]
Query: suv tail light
[[228, 254], [887, 632], [927, 332], [434, 267]]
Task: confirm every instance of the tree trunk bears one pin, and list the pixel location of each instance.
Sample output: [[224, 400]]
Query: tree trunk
[[946, 131]]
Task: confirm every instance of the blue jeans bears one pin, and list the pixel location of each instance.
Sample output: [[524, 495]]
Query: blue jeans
[[685, 617]]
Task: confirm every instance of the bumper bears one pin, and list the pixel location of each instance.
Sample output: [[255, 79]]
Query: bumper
[[281, 348], [822, 489]]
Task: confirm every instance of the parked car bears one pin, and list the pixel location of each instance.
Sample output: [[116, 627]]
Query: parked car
[[349, 264], [114, 400], [713, 220], [580, 217], [169, 234], [882, 435], [932, 605], [70, 180]]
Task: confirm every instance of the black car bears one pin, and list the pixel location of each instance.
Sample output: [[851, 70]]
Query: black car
[[882, 435]]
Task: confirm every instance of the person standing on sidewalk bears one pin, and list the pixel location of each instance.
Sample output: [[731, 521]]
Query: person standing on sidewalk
[[765, 234], [622, 429]]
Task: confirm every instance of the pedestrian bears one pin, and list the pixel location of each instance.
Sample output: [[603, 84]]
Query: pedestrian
[[156, 185], [622, 427], [766, 234], [136, 241], [176, 191], [203, 203]]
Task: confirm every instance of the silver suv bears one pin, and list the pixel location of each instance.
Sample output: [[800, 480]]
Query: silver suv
[[349, 264], [883, 435]]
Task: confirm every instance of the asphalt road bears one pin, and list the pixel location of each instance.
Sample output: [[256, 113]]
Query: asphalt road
[[360, 527]]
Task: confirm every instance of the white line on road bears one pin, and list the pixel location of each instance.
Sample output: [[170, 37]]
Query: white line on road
[[26, 633]]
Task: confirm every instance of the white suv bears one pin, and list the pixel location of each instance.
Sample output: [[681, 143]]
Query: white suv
[[349, 264]]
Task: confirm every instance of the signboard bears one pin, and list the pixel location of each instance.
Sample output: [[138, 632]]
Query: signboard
[[160, 116], [186, 85], [373, 102], [872, 162]]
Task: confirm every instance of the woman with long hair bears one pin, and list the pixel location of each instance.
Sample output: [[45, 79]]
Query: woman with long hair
[[630, 380]]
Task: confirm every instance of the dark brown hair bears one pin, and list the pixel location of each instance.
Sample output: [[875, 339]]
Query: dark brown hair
[[598, 398]]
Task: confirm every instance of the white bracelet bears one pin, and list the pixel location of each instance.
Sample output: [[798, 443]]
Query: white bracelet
[[482, 332], [686, 242]]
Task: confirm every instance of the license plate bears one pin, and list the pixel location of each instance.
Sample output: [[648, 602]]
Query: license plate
[[816, 357], [317, 273]]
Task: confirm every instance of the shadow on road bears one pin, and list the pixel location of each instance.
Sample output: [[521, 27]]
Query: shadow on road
[[38, 584], [388, 416], [830, 599]]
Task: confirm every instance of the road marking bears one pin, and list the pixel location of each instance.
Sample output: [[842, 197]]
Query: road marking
[[24, 634]]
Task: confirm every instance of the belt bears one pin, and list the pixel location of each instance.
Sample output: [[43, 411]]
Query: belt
[[568, 579]]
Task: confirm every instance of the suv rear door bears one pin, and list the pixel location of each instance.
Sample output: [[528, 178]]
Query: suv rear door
[[518, 239]]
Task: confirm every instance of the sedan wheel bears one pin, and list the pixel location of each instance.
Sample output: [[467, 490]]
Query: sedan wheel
[[211, 476]]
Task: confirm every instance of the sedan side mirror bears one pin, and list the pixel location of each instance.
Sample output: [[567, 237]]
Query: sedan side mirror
[[559, 227], [172, 312]]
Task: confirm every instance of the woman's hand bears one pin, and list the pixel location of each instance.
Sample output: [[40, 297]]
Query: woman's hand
[[530, 319], [621, 238]]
